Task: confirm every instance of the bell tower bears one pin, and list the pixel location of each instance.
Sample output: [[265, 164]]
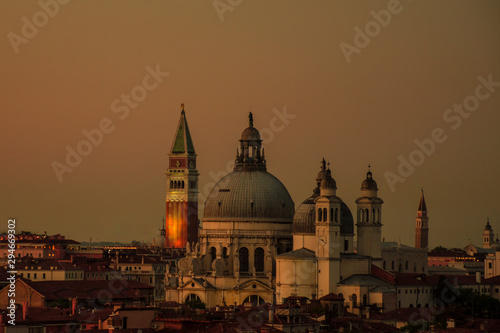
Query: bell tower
[[327, 224], [422, 228], [488, 235], [369, 224], [182, 222]]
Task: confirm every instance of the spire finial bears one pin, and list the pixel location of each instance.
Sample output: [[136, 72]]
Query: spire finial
[[182, 107], [250, 119], [369, 166], [323, 164]]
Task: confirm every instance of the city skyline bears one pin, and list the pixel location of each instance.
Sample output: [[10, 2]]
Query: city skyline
[[315, 90]]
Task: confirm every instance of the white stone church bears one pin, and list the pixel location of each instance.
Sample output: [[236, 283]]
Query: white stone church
[[254, 246]]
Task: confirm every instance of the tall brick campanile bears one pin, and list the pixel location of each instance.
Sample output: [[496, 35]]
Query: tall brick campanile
[[422, 227], [182, 222]]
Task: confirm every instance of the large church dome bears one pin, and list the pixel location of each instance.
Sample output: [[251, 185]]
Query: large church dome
[[249, 193]]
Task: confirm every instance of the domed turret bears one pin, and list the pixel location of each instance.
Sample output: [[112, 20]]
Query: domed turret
[[328, 186], [369, 185], [250, 157]]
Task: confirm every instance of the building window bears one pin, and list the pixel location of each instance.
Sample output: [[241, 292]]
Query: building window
[[213, 254], [192, 185], [489, 265], [243, 259], [325, 212], [331, 215], [320, 214], [346, 247], [259, 259], [254, 299], [354, 300], [193, 298], [392, 265]]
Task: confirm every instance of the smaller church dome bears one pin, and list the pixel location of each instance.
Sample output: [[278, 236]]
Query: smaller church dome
[[328, 183], [250, 133], [369, 183]]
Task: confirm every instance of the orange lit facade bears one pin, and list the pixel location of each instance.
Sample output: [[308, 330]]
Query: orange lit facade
[[182, 189]]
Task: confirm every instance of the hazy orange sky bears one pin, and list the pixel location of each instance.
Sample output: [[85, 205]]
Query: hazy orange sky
[[64, 77]]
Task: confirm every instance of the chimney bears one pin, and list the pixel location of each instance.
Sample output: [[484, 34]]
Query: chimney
[[74, 305], [25, 310], [478, 277]]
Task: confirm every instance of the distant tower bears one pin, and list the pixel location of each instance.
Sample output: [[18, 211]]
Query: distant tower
[[182, 189], [369, 208], [422, 227], [488, 235]]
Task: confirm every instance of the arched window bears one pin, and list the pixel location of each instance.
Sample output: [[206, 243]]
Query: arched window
[[325, 213], [182, 186], [336, 214], [224, 252], [193, 297], [366, 215], [365, 300], [406, 265], [171, 184], [392, 265], [243, 259], [255, 300], [213, 254], [373, 215], [259, 259], [331, 215], [354, 300], [320, 214], [383, 264]]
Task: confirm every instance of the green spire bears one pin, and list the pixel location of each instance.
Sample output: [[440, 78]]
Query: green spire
[[183, 142]]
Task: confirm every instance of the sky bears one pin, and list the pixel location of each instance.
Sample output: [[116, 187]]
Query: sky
[[411, 88]]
